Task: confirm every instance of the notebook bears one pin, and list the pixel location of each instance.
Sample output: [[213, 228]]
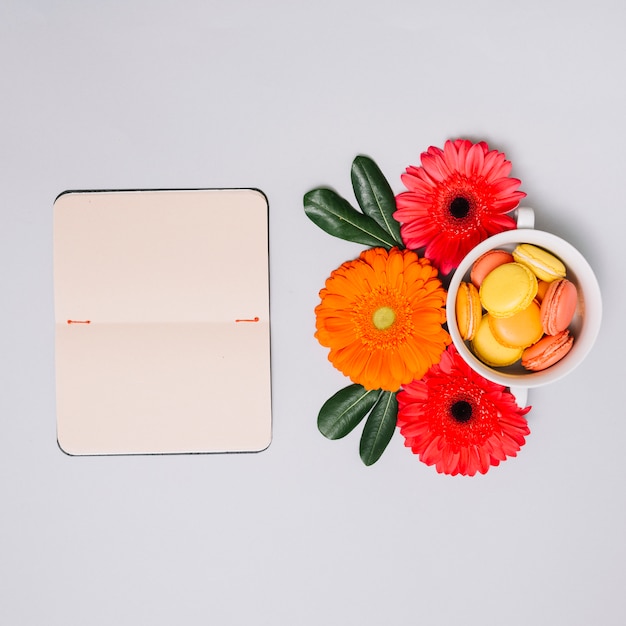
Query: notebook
[[162, 321]]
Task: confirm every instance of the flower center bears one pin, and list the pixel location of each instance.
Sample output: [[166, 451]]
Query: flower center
[[383, 317], [461, 411], [459, 207]]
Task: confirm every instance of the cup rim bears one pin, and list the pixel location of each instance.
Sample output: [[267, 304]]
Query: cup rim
[[586, 282]]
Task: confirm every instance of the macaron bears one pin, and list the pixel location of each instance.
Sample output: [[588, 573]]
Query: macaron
[[487, 262], [520, 330], [547, 351], [468, 310], [508, 289], [542, 287], [558, 306], [491, 352], [541, 262]]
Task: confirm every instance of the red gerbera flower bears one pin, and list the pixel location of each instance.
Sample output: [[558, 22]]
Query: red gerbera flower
[[458, 421], [455, 200]]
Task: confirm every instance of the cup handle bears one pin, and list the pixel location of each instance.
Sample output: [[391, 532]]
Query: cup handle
[[525, 217], [521, 396]]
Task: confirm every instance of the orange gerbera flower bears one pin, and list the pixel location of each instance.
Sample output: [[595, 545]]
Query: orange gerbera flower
[[381, 315]]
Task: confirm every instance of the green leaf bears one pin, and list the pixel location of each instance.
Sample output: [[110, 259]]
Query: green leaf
[[379, 428], [343, 412], [374, 195], [338, 217]]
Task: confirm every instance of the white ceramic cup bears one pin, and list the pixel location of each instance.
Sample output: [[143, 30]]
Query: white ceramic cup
[[584, 327]]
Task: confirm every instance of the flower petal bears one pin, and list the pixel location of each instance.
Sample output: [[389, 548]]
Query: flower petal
[[461, 169], [412, 338], [495, 430]]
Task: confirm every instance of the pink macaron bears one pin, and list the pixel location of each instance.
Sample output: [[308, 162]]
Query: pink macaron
[[558, 306], [488, 262], [547, 351]]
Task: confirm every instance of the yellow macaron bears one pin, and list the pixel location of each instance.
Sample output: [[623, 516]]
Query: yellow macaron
[[542, 263], [508, 289], [490, 351]]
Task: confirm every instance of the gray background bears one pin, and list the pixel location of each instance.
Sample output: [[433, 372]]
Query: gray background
[[282, 96]]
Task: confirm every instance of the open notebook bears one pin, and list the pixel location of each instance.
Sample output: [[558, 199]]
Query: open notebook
[[162, 321]]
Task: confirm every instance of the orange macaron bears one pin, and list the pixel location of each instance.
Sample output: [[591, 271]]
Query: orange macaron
[[468, 310], [520, 330], [547, 351], [542, 287], [558, 306], [487, 262]]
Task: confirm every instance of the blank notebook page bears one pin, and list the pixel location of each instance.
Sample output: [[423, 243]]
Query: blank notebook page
[[162, 321]]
